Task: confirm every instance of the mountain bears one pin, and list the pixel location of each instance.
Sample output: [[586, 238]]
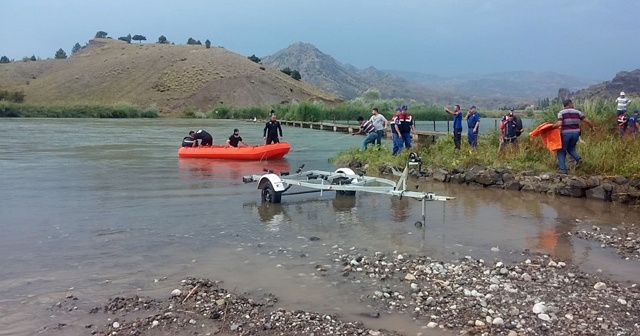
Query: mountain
[[488, 91], [523, 84], [627, 81], [172, 77]]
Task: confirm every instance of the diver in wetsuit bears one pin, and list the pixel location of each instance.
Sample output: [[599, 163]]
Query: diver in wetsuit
[[205, 138], [270, 132]]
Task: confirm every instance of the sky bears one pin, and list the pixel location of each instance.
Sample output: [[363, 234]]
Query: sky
[[592, 39]]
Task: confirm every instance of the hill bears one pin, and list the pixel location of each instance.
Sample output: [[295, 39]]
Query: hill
[[171, 77], [627, 81], [487, 91]]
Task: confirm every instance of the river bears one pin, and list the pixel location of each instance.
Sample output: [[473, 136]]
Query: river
[[104, 208]]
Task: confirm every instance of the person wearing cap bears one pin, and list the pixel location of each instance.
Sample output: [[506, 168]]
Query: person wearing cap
[[634, 123], [271, 129], [235, 138], [395, 134], [622, 103], [569, 119], [380, 123], [622, 123], [457, 125], [404, 127], [367, 128], [205, 138], [473, 123]]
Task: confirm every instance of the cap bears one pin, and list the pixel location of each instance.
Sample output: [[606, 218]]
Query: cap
[[622, 93], [236, 130], [404, 107], [511, 109], [473, 106], [398, 108], [635, 111], [510, 113], [360, 118]]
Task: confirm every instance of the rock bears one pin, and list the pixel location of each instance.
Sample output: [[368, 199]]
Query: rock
[[176, 292], [400, 257], [512, 185], [192, 321], [512, 333], [409, 277], [598, 193], [600, 286], [622, 301], [498, 321], [234, 327], [539, 308], [314, 238], [154, 323], [220, 302], [432, 325], [526, 277], [544, 317], [479, 323], [495, 249], [620, 180], [440, 175], [487, 177], [116, 325], [415, 287], [374, 333]]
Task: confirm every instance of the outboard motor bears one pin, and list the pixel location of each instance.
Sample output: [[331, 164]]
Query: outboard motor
[[189, 142]]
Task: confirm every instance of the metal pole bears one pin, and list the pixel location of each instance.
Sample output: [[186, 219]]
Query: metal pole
[[434, 125], [447, 126]]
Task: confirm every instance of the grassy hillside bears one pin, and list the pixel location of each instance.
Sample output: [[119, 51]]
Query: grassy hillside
[[171, 77]]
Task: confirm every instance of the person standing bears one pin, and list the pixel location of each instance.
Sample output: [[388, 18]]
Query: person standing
[[271, 130], [367, 128], [205, 138], [473, 123], [622, 102], [235, 139], [622, 123], [457, 125], [569, 120], [379, 123], [634, 123], [404, 128], [509, 129], [397, 137]]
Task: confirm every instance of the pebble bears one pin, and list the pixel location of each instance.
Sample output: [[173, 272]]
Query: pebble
[[544, 317], [400, 257], [512, 333], [498, 321], [479, 323], [176, 292], [374, 333], [116, 325], [539, 308], [600, 286], [154, 323], [622, 301], [432, 325], [410, 277], [526, 277]]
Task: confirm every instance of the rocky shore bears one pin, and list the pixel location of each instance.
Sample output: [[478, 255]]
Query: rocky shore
[[533, 296], [624, 240], [610, 189]]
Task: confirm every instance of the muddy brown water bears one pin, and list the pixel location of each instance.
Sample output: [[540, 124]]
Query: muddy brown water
[[101, 208]]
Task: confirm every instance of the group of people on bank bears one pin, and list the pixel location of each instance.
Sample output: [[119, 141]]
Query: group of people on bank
[[627, 124], [402, 127], [272, 133]]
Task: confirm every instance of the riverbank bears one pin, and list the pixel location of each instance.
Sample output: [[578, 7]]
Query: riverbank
[[120, 110], [533, 295]]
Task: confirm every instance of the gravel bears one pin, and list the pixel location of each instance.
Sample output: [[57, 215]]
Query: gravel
[[625, 240]]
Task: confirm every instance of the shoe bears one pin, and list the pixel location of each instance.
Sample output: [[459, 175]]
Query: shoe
[[578, 163]]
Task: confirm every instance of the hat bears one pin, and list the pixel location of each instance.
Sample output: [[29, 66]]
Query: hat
[[236, 130], [360, 118], [511, 109], [622, 93], [635, 111], [510, 113], [404, 107], [398, 108], [473, 106]]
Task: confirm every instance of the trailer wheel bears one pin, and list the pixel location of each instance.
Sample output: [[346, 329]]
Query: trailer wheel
[[343, 181], [269, 195]]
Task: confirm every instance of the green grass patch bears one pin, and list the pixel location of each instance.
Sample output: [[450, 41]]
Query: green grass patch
[[119, 110]]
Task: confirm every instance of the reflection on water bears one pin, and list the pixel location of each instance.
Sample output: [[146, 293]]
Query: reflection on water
[[122, 207]]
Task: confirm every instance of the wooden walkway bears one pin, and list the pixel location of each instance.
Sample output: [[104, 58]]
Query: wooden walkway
[[420, 136]]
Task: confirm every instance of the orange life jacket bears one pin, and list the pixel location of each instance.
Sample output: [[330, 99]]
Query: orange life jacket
[[550, 136]]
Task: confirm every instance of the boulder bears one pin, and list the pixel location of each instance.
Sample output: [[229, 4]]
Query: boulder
[[512, 185], [507, 177], [593, 181], [487, 177], [440, 175], [620, 180], [597, 193]]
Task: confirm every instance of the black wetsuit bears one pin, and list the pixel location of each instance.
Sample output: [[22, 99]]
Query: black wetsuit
[[234, 140], [205, 138], [189, 141], [271, 131]]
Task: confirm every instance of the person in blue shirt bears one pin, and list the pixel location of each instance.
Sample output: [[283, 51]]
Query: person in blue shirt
[[404, 127], [473, 122], [634, 123], [457, 125]]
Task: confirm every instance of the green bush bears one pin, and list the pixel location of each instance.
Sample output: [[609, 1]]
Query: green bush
[[120, 110]]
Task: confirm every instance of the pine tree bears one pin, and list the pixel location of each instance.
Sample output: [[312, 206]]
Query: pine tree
[[60, 54], [76, 48]]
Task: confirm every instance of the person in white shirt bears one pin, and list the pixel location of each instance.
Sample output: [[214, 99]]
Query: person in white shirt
[[379, 123], [622, 103]]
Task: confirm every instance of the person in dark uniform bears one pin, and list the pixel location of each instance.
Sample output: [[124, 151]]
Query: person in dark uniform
[[271, 129], [189, 141], [205, 138], [235, 138]]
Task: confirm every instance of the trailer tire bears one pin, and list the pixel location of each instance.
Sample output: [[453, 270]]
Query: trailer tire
[[269, 195], [343, 181]]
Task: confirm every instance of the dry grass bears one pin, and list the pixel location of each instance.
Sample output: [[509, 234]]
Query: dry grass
[[170, 76]]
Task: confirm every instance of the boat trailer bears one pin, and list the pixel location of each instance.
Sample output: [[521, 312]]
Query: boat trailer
[[343, 181]]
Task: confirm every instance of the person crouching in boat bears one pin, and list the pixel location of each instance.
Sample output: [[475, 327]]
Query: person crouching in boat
[[205, 138], [235, 138], [270, 131]]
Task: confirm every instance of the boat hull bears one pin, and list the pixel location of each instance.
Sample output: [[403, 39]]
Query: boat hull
[[254, 153]]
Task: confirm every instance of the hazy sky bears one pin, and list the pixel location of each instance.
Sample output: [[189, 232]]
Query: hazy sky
[[587, 38]]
